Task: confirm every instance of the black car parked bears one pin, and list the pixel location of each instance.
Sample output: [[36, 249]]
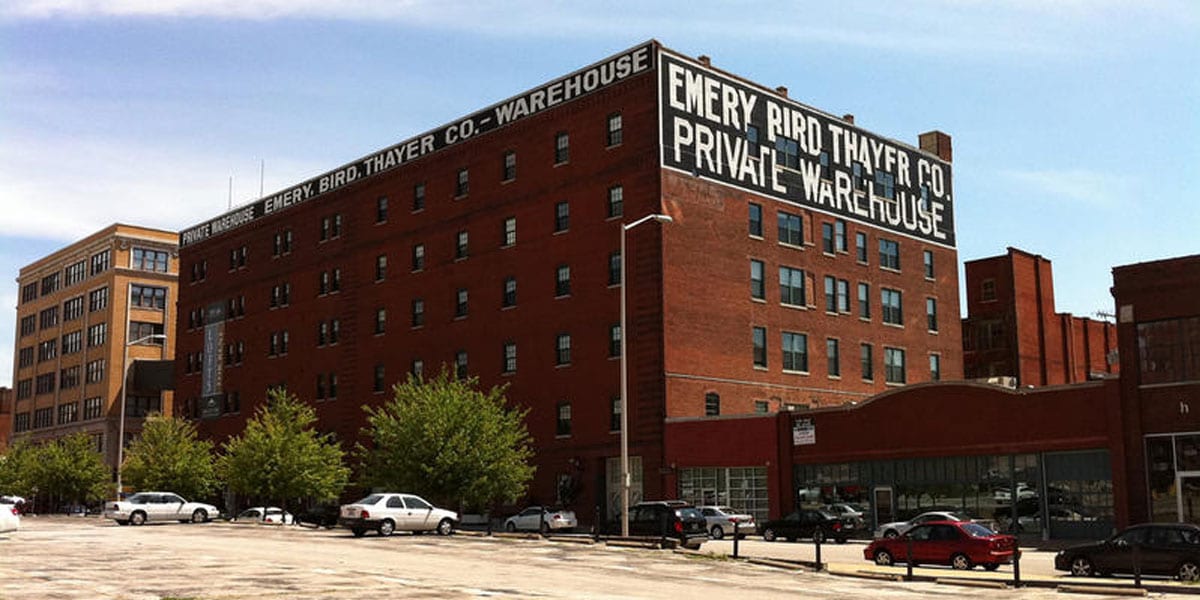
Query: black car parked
[[1171, 549], [324, 515], [806, 523], [669, 519]]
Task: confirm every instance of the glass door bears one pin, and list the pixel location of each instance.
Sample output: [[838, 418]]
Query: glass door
[[882, 504], [1188, 497]]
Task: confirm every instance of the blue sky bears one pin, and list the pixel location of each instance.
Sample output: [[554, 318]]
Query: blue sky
[[1076, 123]]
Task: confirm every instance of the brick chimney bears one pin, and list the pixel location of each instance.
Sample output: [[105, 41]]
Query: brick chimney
[[704, 60], [936, 142], [782, 91], [849, 118]]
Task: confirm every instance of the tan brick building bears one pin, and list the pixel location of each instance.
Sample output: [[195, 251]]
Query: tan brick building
[[79, 310]]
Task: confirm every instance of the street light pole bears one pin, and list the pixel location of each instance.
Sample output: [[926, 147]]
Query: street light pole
[[124, 396], [625, 476]]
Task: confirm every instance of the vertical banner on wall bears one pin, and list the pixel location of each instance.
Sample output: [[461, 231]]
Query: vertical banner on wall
[[211, 387]]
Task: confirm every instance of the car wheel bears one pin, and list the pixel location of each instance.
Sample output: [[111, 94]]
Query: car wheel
[[545, 528], [819, 536], [960, 562], [445, 527], [358, 531], [386, 527], [1081, 566], [716, 532], [1188, 571], [510, 527], [199, 516], [991, 566], [768, 535], [137, 518], [891, 534], [884, 558]]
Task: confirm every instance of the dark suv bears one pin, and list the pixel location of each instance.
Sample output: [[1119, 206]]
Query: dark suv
[[669, 519]]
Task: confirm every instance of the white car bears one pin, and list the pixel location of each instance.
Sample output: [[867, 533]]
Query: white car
[[144, 507], [388, 513], [720, 520], [10, 518], [898, 528], [265, 514], [531, 519]]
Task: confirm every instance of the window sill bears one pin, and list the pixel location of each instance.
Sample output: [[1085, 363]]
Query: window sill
[[889, 269], [792, 246], [791, 372], [756, 237], [758, 300], [562, 436], [931, 331], [761, 368], [835, 377], [509, 307], [794, 306], [561, 231], [562, 296]]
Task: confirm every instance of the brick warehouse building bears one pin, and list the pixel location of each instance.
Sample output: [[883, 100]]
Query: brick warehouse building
[[493, 245], [78, 309]]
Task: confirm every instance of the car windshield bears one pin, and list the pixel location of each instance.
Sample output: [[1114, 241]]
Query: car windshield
[[977, 530], [725, 509], [957, 516], [688, 513], [372, 499], [827, 514]]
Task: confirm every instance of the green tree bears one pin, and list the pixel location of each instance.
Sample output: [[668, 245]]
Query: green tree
[[280, 457], [17, 469], [446, 440], [71, 469], [169, 456]]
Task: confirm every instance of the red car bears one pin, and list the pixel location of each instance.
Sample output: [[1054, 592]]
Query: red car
[[960, 544]]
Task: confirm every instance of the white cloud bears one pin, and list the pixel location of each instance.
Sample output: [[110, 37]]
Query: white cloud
[[1094, 189]]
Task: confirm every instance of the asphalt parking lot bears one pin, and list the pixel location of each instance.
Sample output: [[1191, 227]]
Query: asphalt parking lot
[[78, 558]]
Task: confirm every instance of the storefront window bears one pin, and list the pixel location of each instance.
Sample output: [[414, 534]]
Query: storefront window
[[742, 488]]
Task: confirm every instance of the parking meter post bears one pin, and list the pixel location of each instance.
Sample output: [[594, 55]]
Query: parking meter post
[[1016, 563], [596, 525], [735, 538], [1137, 565], [908, 558], [817, 540], [543, 527]]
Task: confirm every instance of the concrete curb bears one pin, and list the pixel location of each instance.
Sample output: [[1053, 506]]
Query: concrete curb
[[982, 583], [779, 564], [1102, 589]]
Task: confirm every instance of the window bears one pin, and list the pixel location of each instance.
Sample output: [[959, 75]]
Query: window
[[795, 352], [21, 422], [891, 301], [144, 296], [830, 294], [233, 400], [321, 393], [75, 273], [283, 242], [562, 281], [885, 185], [237, 258], [510, 232], [757, 286], [377, 383], [893, 365], [418, 257], [72, 342], [563, 425], [509, 168], [791, 286], [199, 270], [827, 238], [616, 201], [867, 360], [860, 246], [712, 404], [94, 371], [614, 268], [29, 292], [101, 261], [149, 260], [48, 317], [418, 312], [752, 140], [756, 223], [931, 313], [563, 349], [787, 153], [92, 408], [864, 301], [510, 292], [43, 417], [562, 217], [460, 305], [562, 148], [47, 350], [1167, 351], [380, 320], [28, 325], [68, 413], [380, 267], [25, 357], [283, 342], [417, 368], [843, 296], [759, 340], [889, 254], [460, 364], [988, 290], [24, 389], [97, 334], [856, 171], [510, 358], [839, 236], [833, 356], [51, 283], [761, 407], [98, 299], [461, 247], [462, 184], [418, 197], [145, 334], [789, 229], [614, 415], [615, 133], [614, 340], [928, 264], [381, 209], [935, 367]]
